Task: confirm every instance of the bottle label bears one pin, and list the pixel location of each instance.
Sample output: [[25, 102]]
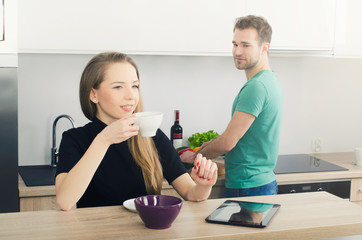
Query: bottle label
[[177, 143], [177, 135]]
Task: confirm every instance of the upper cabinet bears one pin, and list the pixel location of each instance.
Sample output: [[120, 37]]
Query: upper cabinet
[[307, 25], [187, 27], [348, 29], [138, 27], [8, 33]]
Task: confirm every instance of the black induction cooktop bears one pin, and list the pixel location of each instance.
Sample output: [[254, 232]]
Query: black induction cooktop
[[302, 163]]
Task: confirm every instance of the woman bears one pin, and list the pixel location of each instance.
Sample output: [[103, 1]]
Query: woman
[[106, 161]]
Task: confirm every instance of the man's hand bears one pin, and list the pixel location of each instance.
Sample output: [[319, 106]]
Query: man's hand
[[188, 157]]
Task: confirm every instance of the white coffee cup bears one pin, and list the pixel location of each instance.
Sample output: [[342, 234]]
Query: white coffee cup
[[148, 122], [358, 156]]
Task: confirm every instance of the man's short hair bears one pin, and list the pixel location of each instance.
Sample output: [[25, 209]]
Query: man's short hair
[[259, 23]]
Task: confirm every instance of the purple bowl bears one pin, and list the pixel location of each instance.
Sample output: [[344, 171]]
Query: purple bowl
[[158, 211]]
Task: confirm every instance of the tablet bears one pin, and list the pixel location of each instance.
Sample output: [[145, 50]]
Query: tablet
[[243, 213]]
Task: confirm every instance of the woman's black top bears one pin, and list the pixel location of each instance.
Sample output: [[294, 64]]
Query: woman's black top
[[118, 177]]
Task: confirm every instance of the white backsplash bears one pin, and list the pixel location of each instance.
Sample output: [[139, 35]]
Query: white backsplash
[[322, 98]]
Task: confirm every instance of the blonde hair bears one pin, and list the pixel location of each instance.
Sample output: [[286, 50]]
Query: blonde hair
[[143, 149]]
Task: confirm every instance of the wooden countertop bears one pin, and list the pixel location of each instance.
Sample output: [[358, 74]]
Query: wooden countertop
[[343, 159], [301, 216]]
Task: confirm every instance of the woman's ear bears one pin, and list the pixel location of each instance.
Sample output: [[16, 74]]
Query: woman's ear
[[93, 96]]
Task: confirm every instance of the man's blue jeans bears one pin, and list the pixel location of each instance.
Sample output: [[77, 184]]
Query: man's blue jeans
[[267, 189]]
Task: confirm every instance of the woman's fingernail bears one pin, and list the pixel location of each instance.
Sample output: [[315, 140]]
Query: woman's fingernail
[[195, 167], [197, 164]]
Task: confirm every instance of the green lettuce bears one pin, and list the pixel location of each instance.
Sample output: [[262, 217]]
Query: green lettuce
[[197, 139]]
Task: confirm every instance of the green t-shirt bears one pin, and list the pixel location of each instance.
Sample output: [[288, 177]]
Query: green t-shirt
[[252, 161]]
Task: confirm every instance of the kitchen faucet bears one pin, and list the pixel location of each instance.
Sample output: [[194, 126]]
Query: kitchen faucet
[[55, 152]]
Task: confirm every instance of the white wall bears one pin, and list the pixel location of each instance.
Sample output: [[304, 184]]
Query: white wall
[[322, 98]]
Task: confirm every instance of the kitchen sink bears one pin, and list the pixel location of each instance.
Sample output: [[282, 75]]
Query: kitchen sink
[[38, 175]]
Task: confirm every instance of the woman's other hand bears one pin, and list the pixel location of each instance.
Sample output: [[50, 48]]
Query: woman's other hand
[[120, 130], [204, 171]]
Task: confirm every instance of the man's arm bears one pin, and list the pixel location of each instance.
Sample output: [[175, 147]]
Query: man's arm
[[237, 127]]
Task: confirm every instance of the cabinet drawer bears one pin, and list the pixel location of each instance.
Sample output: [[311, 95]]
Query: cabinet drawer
[[356, 189], [38, 203]]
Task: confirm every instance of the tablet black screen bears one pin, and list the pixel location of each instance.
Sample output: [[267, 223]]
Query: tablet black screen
[[243, 213]]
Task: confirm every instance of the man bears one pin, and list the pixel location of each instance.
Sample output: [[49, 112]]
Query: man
[[251, 139]]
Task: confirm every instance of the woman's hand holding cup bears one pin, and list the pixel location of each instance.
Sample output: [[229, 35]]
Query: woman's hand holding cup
[[120, 130]]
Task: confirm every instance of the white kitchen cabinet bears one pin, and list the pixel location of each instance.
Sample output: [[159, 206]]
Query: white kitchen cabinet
[[138, 27], [8, 32], [188, 27], [306, 25], [348, 28]]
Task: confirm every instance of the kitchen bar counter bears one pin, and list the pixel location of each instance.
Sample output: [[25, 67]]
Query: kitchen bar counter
[[30, 196], [301, 216]]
